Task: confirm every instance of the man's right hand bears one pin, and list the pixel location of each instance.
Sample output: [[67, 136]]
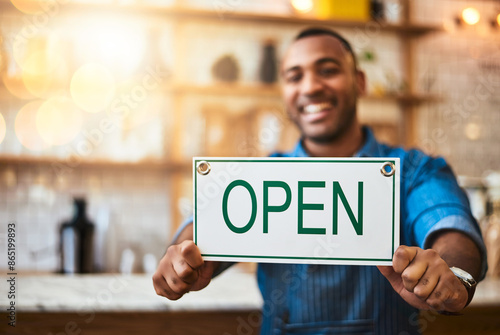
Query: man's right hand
[[181, 270]]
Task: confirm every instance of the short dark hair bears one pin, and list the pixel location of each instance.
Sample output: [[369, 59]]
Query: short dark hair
[[318, 31]]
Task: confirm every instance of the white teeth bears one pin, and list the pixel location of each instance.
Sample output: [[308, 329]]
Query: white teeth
[[315, 108]]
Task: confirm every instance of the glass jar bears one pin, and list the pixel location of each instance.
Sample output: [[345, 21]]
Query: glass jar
[[491, 235], [490, 225]]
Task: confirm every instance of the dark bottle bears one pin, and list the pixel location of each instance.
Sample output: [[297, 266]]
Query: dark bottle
[[268, 66], [76, 241], [377, 9]]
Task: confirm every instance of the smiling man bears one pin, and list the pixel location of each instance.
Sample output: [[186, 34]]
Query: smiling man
[[321, 86], [442, 252]]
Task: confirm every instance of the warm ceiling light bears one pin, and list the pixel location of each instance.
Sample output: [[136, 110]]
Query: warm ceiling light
[[302, 6], [471, 15], [498, 19]]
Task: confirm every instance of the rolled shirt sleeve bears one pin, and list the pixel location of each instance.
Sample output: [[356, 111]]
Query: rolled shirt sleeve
[[436, 202]]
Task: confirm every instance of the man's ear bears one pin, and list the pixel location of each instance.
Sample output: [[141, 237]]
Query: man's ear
[[360, 82]]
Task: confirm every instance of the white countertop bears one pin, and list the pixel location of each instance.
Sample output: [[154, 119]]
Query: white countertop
[[233, 290]]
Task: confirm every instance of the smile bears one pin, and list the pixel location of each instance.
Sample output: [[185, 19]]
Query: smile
[[316, 108]]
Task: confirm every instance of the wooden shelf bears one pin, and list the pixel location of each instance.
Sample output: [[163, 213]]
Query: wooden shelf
[[274, 91], [184, 13], [261, 91], [235, 89], [404, 99], [166, 166]]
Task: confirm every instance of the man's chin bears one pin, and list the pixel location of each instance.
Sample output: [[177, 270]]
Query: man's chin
[[325, 138]]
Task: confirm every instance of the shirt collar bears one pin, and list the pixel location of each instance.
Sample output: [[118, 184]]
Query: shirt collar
[[370, 147]]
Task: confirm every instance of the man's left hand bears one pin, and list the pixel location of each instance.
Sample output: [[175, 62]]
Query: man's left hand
[[424, 280]]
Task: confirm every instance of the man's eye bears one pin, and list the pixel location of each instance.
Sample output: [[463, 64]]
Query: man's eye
[[293, 78], [329, 71]]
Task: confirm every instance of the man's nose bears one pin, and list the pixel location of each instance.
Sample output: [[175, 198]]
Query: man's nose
[[311, 84]]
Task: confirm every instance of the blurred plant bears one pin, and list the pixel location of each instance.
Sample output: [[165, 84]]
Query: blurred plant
[[367, 55]]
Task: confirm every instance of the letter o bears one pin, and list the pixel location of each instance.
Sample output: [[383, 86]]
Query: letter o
[[250, 190]]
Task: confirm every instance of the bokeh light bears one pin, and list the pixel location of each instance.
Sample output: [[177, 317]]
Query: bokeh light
[[92, 87], [25, 127], [25, 46], [471, 15], [3, 128], [43, 69], [30, 6], [59, 120], [16, 87], [472, 131], [302, 6], [117, 44], [498, 19], [37, 67]]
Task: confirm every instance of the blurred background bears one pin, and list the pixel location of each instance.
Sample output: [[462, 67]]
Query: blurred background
[[108, 101]]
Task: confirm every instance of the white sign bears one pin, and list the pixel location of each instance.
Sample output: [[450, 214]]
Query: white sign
[[297, 210]]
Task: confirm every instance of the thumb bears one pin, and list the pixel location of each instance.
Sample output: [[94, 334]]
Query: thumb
[[392, 276], [205, 273], [396, 282], [386, 271]]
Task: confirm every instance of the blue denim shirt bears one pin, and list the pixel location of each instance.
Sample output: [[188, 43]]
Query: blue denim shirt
[[334, 299], [339, 299]]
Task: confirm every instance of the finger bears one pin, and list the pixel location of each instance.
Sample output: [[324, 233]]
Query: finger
[[191, 253], [166, 268], [403, 257], [393, 277], [176, 284], [386, 271], [449, 294], [184, 271], [426, 285], [205, 276], [161, 287], [413, 274], [438, 296]]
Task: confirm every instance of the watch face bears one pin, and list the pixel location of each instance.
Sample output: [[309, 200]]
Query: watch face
[[463, 275]]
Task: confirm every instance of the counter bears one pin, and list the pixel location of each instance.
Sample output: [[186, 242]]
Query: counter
[[232, 290], [109, 304]]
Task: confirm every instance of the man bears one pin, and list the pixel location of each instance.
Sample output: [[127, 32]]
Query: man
[[321, 86]]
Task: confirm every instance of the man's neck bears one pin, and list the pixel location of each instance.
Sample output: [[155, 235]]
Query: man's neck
[[345, 146]]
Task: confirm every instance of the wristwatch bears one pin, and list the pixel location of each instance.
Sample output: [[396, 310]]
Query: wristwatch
[[466, 279]]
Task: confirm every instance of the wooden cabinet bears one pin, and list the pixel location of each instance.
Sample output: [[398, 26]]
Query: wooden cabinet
[[475, 320]]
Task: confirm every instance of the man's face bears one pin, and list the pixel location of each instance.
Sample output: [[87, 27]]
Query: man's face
[[321, 87]]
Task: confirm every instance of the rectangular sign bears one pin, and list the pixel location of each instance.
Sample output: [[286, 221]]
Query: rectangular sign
[[297, 210]]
